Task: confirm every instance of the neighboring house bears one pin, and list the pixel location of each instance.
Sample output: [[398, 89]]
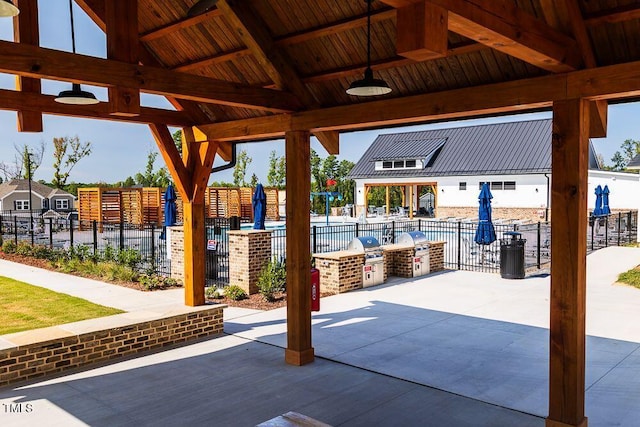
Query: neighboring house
[[445, 168], [14, 196]]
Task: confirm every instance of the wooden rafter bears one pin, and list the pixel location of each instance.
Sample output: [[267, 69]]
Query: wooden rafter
[[32, 102], [39, 62], [25, 30], [178, 25], [611, 16]]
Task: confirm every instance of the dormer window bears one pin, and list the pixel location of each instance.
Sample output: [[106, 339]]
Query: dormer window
[[399, 164]]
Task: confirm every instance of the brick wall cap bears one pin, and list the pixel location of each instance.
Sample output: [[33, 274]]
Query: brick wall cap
[[338, 255], [247, 232]]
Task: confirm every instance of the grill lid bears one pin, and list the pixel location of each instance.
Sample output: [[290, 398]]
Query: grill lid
[[363, 244], [415, 238]]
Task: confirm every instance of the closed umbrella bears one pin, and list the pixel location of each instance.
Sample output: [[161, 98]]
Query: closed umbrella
[[597, 210], [259, 201], [170, 210], [605, 201], [486, 233]]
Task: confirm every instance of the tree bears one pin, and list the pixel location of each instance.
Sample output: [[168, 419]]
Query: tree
[[254, 180], [619, 162], [67, 152], [276, 177], [24, 155], [630, 148], [240, 170], [149, 178], [177, 139]]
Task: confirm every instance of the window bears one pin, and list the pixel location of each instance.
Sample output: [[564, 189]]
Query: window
[[480, 185], [62, 204], [496, 185], [509, 185], [462, 186], [22, 205], [398, 164], [410, 164], [387, 165]]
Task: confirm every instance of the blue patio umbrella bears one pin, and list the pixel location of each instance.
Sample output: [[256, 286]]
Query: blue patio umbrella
[[259, 201], [597, 210], [170, 209], [605, 201], [486, 233]]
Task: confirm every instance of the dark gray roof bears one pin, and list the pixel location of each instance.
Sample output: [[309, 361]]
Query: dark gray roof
[[496, 149], [38, 188], [634, 163]]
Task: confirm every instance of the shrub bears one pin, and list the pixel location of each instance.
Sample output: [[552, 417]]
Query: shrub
[[109, 253], [129, 257], [9, 247], [24, 249], [156, 281], [272, 280], [235, 293], [213, 293]]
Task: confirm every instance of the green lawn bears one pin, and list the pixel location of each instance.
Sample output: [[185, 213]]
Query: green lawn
[[27, 307], [631, 277]]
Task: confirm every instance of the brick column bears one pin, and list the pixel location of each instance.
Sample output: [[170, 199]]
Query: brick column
[[177, 253], [436, 256], [249, 252]]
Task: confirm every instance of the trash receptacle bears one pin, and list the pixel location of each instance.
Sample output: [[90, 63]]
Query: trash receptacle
[[234, 223], [512, 256]]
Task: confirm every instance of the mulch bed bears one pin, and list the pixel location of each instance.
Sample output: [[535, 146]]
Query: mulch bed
[[255, 301]]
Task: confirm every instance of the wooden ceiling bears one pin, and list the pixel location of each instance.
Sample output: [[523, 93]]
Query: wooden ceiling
[[264, 64]]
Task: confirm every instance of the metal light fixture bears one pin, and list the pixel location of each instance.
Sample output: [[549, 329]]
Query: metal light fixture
[[368, 86], [75, 96], [201, 7], [8, 9]]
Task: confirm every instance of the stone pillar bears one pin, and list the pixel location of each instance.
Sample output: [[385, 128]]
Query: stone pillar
[[249, 252]]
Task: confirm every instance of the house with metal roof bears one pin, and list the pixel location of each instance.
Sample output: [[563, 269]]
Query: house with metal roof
[[440, 171], [14, 197]]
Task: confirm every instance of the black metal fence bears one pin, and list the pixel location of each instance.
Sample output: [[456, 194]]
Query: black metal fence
[[63, 233], [461, 251]]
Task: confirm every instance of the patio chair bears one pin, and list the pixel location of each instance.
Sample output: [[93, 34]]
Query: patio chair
[[387, 235]]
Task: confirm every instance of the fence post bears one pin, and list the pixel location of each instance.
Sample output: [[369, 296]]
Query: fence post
[[459, 244], [393, 231], [153, 246], [15, 228], [1, 229], [606, 231], [538, 251], [121, 235], [619, 224], [94, 229], [357, 229], [50, 233], [419, 224], [71, 231], [629, 225], [314, 239], [593, 226]]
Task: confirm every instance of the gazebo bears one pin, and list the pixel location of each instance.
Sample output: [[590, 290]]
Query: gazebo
[[240, 70]]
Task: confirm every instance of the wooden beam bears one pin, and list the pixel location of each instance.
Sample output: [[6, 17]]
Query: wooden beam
[[569, 167], [611, 82], [330, 140], [35, 61], [26, 30], [173, 27], [422, 31], [32, 102], [212, 60], [298, 153], [173, 161], [255, 35], [510, 30], [121, 19], [566, 16], [611, 16]]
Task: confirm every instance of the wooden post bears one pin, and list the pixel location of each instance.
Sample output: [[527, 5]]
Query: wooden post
[[570, 161], [411, 201], [194, 248], [387, 199], [297, 151]]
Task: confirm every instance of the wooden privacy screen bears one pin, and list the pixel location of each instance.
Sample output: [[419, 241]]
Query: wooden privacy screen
[[146, 205]]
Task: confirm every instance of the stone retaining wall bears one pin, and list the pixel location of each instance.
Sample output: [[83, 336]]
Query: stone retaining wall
[[25, 355]]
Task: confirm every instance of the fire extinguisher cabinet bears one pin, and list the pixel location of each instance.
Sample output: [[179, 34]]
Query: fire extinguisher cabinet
[[315, 289]]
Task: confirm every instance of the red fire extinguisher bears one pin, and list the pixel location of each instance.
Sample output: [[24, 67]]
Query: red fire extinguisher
[[315, 289]]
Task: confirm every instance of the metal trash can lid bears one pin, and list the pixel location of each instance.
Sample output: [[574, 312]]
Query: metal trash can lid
[[513, 234]]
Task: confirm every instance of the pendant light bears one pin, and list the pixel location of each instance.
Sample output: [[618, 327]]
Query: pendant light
[[75, 96], [368, 86], [201, 7], [8, 9]]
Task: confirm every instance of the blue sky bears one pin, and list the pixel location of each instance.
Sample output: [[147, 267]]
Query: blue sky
[[120, 149]]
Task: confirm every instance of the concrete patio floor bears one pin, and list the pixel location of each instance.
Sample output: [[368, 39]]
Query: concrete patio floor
[[452, 349]]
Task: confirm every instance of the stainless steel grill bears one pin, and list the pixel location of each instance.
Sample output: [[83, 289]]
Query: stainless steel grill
[[421, 251], [373, 268]]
